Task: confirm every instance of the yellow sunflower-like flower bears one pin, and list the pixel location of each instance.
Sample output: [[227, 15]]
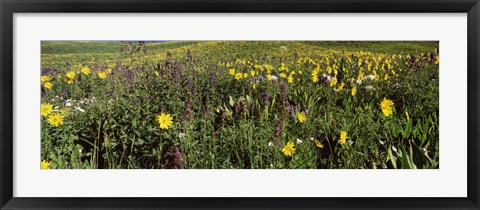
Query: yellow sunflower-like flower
[[354, 91], [288, 149], [245, 75], [283, 75], [46, 109], [157, 74], [70, 74], [231, 72], [45, 165], [301, 117], [269, 77], [102, 74], [290, 79], [387, 107], [45, 79], [252, 73], [68, 80], [340, 87], [165, 120], [343, 137], [48, 85], [86, 70], [333, 82], [55, 120], [314, 78], [238, 76]]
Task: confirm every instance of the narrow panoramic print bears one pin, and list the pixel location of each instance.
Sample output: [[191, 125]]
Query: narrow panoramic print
[[239, 105]]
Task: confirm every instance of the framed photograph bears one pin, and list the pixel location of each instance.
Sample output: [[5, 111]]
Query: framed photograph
[[239, 105]]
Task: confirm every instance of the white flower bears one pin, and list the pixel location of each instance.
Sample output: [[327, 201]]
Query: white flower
[[359, 81], [270, 144], [181, 135], [329, 78], [371, 77], [68, 103], [311, 138], [394, 148], [369, 87], [349, 142], [381, 142], [274, 78], [79, 109], [55, 109], [299, 141]]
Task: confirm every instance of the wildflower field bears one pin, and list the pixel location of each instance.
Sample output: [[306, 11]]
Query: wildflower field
[[239, 105]]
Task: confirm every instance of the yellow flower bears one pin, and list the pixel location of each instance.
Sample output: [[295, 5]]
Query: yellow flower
[[343, 137], [48, 85], [340, 87], [232, 72], [165, 120], [238, 76], [386, 106], [254, 86], [68, 80], [45, 79], [245, 75], [360, 76], [46, 109], [354, 91], [70, 74], [228, 65], [86, 70], [314, 78], [301, 117], [44, 165], [55, 120], [269, 77], [109, 71], [288, 149], [283, 75], [290, 79], [157, 74], [333, 82], [102, 74], [408, 117], [252, 73]]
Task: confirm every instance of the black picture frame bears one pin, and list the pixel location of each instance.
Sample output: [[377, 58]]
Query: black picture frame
[[9, 7]]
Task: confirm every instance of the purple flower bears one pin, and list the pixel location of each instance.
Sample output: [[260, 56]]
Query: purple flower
[[266, 97]]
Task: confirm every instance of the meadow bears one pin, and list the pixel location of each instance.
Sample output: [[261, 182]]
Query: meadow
[[239, 105]]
